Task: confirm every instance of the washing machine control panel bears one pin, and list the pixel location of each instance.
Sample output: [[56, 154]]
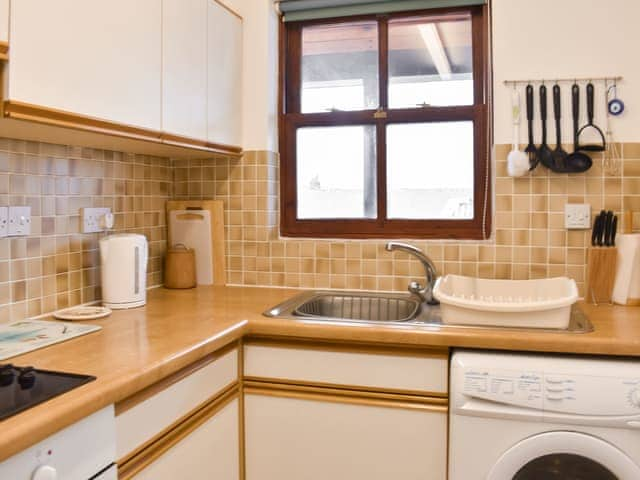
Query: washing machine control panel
[[523, 389], [560, 393]]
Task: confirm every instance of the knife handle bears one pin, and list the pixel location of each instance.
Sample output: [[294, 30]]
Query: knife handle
[[594, 231], [608, 221], [614, 230]]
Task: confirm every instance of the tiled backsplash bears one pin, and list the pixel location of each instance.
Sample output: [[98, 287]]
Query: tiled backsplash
[[57, 266], [530, 240]]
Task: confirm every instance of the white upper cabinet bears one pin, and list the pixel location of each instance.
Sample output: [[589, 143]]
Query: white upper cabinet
[[224, 61], [96, 58], [184, 67], [4, 20]]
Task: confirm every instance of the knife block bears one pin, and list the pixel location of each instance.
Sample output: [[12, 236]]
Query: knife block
[[601, 274]]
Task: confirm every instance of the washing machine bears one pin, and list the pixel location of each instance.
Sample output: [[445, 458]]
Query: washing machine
[[543, 417]]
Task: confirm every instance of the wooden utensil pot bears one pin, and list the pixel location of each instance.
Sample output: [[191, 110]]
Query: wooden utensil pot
[[180, 268]]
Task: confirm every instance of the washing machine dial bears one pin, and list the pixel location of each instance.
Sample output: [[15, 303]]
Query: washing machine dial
[[634, 397], [45, 472]]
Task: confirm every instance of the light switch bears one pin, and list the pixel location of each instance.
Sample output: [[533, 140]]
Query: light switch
[[577, 216], [19, 221], [4, 221]]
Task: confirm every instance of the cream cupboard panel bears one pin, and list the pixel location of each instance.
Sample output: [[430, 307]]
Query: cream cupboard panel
[[290, 439], [4, 20], [97, 58], [184, 67], [224, 89], [209, 452], [139, 424], [426, 373]]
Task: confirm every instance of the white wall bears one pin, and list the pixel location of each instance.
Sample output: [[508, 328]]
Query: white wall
[[567, 38], [531, 39], [260, 73]]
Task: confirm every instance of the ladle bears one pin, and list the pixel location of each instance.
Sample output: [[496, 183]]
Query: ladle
[[577, 162]]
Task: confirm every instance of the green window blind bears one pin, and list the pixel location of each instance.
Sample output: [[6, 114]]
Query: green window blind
[[295, 10]]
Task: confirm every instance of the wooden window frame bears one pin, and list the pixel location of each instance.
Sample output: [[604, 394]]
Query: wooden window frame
[[290, 119]]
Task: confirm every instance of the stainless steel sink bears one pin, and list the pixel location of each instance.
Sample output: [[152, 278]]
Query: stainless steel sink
[[359, 307], [383, 308]]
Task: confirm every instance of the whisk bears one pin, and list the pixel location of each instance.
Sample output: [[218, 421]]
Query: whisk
[[612, 163]]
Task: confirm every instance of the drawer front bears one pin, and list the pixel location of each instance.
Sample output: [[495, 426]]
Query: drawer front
[[140, 423], [420, 372]]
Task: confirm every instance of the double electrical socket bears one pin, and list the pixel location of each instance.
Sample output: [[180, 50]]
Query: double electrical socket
[[15, 221]]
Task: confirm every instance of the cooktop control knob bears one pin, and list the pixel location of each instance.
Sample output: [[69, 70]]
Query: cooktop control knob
[[634, 397], [45, 472], [6, 375], [27, 378]]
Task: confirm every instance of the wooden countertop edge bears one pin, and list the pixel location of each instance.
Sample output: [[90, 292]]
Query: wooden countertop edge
[[30, 427], [88, 399]]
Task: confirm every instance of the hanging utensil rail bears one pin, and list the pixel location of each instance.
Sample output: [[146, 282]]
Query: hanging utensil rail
[[560, 80]]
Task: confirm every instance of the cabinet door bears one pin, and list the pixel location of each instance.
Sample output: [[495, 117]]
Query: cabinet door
[[224, 87], [96, 58], [209, 452], [4, 20], [293, 438], [184, 68]]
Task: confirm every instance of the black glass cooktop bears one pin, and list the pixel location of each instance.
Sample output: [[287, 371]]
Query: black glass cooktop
[[25, 387]]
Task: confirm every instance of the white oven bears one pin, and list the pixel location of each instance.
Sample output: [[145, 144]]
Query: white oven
[[85, 450]]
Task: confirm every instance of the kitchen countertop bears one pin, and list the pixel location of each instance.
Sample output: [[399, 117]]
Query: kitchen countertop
[[139, 347]]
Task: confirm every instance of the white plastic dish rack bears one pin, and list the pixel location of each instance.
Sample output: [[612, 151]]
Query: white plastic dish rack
[[544, 303]]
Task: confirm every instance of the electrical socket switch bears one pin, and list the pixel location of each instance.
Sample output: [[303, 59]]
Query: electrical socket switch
[[19, 221], [577, 216], [4, 221], [93, 219]]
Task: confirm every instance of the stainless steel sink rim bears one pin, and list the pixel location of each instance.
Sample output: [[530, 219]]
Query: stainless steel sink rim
[[359, 307], [425, 316]]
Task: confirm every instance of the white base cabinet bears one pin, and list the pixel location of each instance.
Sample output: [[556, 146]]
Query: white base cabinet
[[211, 451], [297, 438]]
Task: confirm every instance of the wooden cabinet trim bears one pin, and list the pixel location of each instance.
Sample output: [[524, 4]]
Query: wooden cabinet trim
[[365, 390], [157, 446], [349, 347], [150, 391], [51, 116], [324, 394], [241, 425], [4, 50]]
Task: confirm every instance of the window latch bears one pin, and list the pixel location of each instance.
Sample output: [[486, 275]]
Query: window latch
[[380, 113]]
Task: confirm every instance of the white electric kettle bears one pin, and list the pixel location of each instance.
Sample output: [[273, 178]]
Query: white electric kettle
[[123, 258]]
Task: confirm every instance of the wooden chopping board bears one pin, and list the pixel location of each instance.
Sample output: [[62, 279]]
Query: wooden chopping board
[[186, 222]]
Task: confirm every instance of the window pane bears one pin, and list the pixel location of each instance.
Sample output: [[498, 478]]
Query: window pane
[[430, 61], [340, 67], [430, 171], [336, 172]]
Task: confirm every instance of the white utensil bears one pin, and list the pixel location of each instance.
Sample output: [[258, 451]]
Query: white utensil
[[517, 160]]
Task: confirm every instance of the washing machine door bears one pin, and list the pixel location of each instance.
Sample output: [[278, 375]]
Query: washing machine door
[[564, 455]]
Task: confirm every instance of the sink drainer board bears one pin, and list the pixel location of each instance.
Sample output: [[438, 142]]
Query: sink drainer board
[[391, 310]]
